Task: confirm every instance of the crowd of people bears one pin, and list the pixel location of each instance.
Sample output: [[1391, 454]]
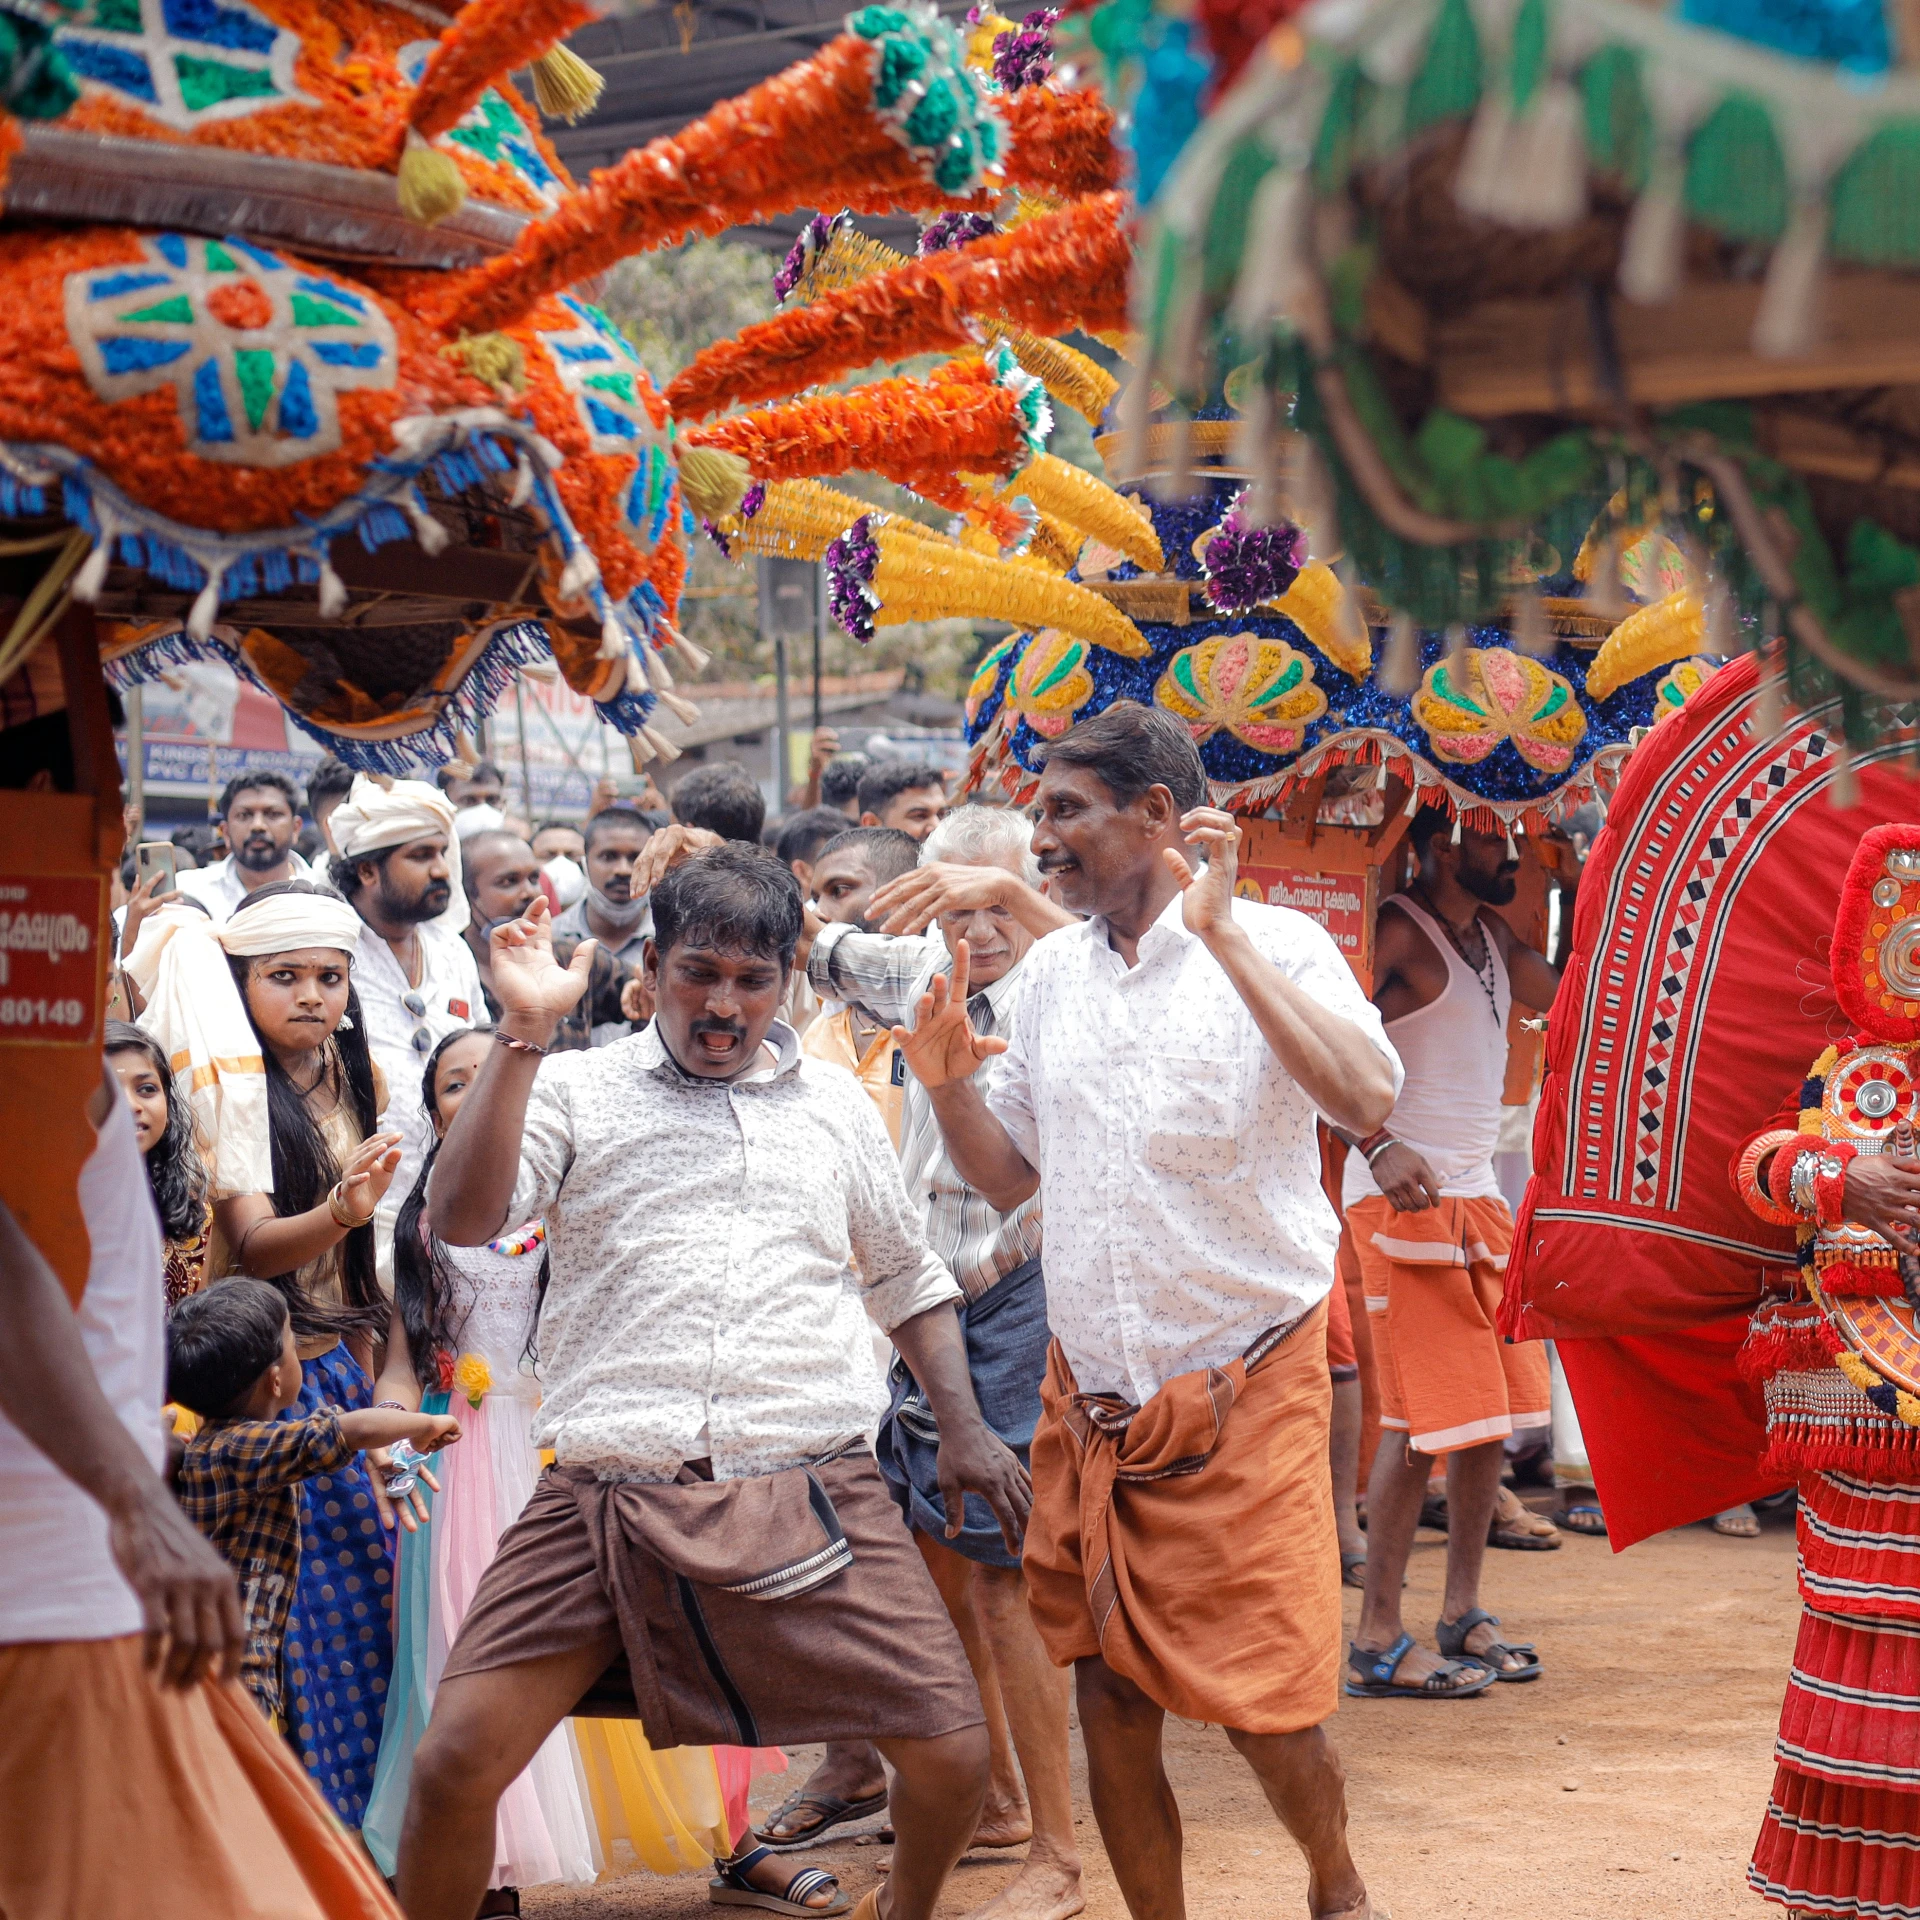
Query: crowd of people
[[951, 1256]]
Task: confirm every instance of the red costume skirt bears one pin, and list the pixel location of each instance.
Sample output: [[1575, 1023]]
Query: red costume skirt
[[1841, 1836]]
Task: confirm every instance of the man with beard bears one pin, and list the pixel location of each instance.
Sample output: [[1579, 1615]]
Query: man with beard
[[1159, 1091], [399, 869], [1432, 1233], [260, 813], [614, 912], [714, 1542], [502, 874]]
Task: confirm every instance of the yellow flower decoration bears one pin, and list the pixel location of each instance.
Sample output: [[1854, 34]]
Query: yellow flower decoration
[[1470, 701], [473, 1377], [1648, 637], [1260, 691], [1676, 687], [987, 674], [1050, 683]]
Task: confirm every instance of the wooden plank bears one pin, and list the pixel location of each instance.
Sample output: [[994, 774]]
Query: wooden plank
[[1811, 444], [1537, 356]]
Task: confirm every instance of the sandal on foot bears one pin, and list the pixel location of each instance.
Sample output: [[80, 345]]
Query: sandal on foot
[[1353, 1570], [1516, 1527], [1370, 1675], [833, 1812], [1738, 1523], [1451, 1638], [1585, 1517], [731, 1888]]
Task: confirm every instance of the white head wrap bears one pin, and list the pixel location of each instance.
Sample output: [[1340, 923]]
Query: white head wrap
[[374, 817], [478, 819], [195, 1012]]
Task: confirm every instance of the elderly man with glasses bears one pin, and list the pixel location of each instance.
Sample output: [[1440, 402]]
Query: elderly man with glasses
[[399, 868]]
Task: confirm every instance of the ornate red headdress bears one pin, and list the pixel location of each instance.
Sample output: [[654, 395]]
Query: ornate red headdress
[[1876, 937]]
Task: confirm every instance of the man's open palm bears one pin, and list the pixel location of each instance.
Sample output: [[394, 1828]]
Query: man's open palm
[[526, 977], [942, 1045]]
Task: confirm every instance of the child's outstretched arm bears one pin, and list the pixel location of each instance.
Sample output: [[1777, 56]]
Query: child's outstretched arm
[[373, 1427]]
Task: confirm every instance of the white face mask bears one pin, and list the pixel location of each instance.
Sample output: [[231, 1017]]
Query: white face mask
[[569, 879], [617, 913]]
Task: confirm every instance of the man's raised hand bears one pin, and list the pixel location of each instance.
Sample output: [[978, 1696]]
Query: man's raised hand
[[1206, 898], [942, 1045], [913, 900], [526, 977], [665, 850]]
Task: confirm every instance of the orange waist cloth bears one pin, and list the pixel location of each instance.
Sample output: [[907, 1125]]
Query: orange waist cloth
[[125, 1801], [1190, 1542]]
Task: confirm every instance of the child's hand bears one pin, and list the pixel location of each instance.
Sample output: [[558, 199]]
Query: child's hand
[[436, 1430]]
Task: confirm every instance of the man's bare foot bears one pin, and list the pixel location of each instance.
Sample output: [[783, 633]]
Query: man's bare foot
[[1003, 1823], [1041, 1890], [1353, 1907]]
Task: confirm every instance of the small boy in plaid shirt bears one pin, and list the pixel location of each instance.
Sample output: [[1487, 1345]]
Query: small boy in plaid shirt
[[231, 1359]]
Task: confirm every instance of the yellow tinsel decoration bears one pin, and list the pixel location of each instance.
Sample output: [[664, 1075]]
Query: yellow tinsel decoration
[[801, 518], [1072, 494], [473, 1377], [1648, 637], [1056, 543], [1323, 610], [917, 580]]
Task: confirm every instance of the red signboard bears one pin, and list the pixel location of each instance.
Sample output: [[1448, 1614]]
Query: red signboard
[[49, 969], [1334, 879]]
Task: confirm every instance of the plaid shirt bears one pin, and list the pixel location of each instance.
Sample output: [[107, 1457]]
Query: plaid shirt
[[238, 1485]]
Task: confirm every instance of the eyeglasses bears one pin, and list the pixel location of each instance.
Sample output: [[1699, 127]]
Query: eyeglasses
[[422, 1037]]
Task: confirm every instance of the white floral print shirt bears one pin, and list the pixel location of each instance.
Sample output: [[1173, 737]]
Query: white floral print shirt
[[718, 1250], [1179, 1170]]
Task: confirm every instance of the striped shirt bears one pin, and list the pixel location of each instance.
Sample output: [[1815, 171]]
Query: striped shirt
[[887, 976]]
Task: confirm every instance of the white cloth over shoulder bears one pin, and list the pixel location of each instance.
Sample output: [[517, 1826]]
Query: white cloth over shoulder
[[1179, 1170], [717, 1252], [378, 814]]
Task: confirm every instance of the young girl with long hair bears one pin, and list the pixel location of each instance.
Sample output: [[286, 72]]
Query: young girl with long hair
[[290, 948], [176, 1174], [463, 1328]]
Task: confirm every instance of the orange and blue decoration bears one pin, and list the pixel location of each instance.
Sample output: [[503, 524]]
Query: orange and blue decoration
[[1260, 691]]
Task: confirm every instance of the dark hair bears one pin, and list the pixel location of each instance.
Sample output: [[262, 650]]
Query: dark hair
[[1428, 825], [344, 872], [1129, 748], [724, 798], [331, 780], [802, 835], [840, 779], [444, 777], [738, 898], [543, 826], [200, 840], [890, 853], [175, 1170], [606, 820], [221, 1340], [304, 1169], [242, 782], [886, 780]]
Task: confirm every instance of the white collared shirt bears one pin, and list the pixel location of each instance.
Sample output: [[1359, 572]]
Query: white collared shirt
[[1177, 1159], [219, 890], [449, 993], [718, 1250]]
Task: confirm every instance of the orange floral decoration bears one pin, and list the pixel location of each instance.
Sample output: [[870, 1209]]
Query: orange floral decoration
[[806, 137], [488, 39], [353, 104], [913, 432], [1064, 270], [1062, 142]]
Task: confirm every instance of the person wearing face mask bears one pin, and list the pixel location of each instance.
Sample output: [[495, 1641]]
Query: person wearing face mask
[[616, 915], [501, 875]]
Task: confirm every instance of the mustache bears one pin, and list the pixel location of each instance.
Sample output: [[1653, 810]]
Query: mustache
[[732, 1029]]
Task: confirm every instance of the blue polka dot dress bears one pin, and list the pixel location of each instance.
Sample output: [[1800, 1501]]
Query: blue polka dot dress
[[339, 1646]]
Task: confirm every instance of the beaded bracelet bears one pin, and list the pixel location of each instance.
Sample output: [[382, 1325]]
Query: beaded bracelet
[[519, 1046], [1830, 1182]]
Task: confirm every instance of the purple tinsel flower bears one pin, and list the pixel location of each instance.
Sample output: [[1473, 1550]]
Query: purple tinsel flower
[[1248, 566], [955, 230], [851, 562], [753, 500], [1024, 57], [813, 236], [718, 538]]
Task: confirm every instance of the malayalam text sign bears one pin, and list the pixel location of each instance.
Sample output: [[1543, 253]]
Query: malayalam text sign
[[49, 969]]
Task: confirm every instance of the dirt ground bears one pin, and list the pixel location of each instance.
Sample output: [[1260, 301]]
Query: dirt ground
[[1629, 1780]]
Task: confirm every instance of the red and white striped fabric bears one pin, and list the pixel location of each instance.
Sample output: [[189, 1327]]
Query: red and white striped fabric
[[1841, 1837]]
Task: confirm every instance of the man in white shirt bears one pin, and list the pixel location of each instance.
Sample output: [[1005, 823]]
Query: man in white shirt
[[260, 814], [1168, 1060], [715, 1546], [121, 1633], [399, 869]]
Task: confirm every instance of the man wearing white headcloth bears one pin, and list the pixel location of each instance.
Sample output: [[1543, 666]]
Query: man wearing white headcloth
[[399, 868]]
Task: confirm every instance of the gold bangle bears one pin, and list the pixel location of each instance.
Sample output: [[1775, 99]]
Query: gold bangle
[[336, 1205]]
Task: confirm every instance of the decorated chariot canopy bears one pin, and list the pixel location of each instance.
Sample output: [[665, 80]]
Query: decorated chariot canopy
[[1482, 262], [302, 367]]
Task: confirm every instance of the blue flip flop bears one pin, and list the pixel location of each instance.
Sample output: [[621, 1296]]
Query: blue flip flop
[[1370, 1676]]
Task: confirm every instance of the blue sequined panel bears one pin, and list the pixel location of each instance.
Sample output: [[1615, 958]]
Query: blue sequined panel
[[339, 1647]]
